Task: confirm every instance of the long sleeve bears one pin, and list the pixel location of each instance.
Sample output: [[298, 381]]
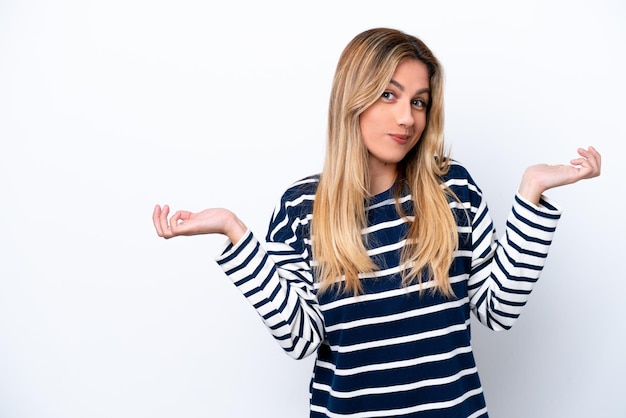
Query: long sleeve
[[504, 271], [276, 278]]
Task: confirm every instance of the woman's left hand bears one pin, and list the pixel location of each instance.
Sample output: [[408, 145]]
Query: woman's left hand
[[541, 177]]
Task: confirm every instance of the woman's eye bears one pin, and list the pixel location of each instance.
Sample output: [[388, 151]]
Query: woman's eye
[[387, 95], [419, 103]]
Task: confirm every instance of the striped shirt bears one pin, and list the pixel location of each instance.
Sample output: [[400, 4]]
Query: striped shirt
[[393, 351]]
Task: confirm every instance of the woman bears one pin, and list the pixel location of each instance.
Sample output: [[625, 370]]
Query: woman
[[376, 264]]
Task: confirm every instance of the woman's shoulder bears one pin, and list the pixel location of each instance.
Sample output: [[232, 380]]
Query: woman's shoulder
[[297, 199], [294, 210], [460, 181], [306, 186], [457, 171]]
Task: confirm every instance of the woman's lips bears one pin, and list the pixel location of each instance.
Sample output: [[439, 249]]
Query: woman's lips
[[400, 138]]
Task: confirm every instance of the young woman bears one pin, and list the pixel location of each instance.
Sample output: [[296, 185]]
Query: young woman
[[376, 264]]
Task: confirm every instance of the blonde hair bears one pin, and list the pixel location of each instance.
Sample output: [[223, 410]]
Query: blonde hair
[[363, 72]]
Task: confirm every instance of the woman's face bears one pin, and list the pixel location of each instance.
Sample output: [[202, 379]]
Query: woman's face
[[391, 126]]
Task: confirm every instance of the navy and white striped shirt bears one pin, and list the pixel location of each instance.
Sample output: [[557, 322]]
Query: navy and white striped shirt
[[393, 351]]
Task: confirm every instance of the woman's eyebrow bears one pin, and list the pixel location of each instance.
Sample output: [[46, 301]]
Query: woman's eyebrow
[[398, 85], [401, 87]]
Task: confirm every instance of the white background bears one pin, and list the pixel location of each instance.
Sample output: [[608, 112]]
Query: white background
[[109, 107]]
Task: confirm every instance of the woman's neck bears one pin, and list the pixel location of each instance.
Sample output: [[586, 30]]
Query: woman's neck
[[382, 176]]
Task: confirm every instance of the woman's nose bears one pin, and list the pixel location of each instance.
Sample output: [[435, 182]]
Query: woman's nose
[[405, 115]]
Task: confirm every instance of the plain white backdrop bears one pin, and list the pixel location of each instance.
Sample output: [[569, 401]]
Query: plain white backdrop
[[109, 107]]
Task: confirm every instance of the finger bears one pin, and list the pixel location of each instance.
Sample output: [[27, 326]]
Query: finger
[[597, 159], [594, 152], [588, 165], [177, 222], [165, 227], [184, 215], [592, 156], [174, 222], [156, 214], [582, 164], [590, 153]]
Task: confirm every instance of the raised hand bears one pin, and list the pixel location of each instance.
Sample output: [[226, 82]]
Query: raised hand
[[209, 221], [541, 177]]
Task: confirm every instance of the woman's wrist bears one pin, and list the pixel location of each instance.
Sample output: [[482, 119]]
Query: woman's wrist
[[530, 189], [235, 229]]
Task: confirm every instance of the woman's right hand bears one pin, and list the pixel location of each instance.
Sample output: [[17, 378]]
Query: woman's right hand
[[209, 221]]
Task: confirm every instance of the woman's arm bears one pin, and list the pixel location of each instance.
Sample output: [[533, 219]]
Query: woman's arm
[[504, 271], [275, 277]]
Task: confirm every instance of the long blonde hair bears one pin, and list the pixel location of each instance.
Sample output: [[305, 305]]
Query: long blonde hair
[[363, 72]]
